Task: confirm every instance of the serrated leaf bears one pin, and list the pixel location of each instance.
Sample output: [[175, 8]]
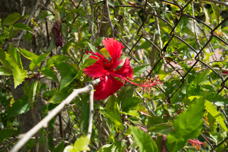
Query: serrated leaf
[[212, 110], [186, 126], [143, 140], [113, 116], [81, 144], [11, 19], [19, 74], [35, 59]]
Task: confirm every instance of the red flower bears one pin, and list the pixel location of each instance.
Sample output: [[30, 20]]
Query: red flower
[[195, 143], [107, 70]]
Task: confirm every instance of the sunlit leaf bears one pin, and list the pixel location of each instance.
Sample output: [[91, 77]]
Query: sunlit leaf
[[143, 140], [11, 19], [81, 144], [186, 126], [211, 109], [19, 74], [5, 71]]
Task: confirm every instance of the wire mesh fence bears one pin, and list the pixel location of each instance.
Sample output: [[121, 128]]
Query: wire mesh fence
[[182, 43]]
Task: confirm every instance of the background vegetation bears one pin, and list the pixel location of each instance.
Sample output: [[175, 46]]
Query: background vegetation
[[42, 57]]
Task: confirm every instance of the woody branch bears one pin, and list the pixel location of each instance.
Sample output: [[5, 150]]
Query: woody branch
[[44, 122]]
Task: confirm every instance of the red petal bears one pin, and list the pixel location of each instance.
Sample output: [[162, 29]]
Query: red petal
[[107, 86], [96, 70], [126, 69], [114, 48], [195, 141]]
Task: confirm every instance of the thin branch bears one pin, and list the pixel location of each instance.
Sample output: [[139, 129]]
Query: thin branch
[[44, 122], [179, 38], [135, 44], [91, 112], [131, 6], [159, 30], [109, 19], [219, 144]]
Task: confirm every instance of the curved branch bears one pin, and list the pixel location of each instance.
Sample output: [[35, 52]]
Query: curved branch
[[44, 122]]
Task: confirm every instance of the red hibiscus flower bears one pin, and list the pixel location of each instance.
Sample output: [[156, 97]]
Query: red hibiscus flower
[[195, 143], [112, 78]]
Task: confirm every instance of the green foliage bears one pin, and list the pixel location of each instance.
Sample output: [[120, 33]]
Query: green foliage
[[35, 59], [186, 126], [173, 40], [11, 19], [143, 140], [211, 109], [81, 144], [19, 74]]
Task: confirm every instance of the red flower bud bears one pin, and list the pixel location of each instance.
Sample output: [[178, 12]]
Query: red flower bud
[[56, 30]]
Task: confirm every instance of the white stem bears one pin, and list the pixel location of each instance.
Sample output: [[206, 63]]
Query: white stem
[[91, 112], [44, 122]]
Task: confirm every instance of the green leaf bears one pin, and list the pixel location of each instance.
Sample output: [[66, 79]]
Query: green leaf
[[126, 99], [11, 19], [19, 107], [58, 96], [35, 59], [36, 63], [87, 63], [57, 59], [186, 126], [67, 72], [81, 144], [6, 133], [113, 116], [114, 147], [12, 51], [143, 140], [3, 59], [59, 147], [5, 71], [107, 148], [69, 148], [212, 110], [21, 26], [49, 73], [140, 69], [162, 128], [27, 54], [19, 74]]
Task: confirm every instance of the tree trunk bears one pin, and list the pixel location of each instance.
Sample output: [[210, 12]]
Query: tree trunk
[[32, 117]]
